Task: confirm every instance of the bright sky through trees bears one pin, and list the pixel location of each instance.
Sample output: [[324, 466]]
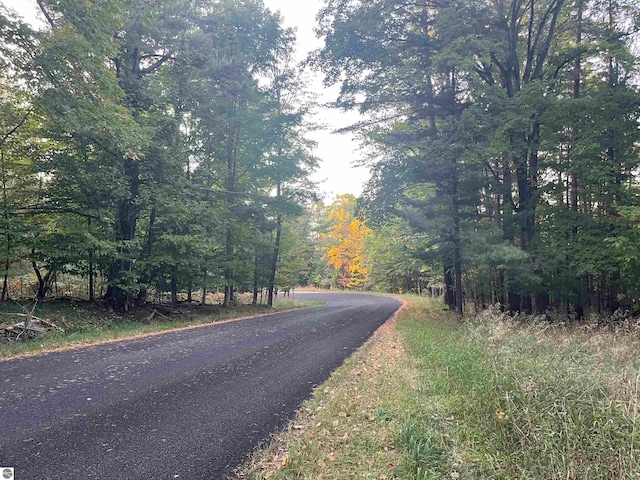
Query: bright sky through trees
[[337, 152]]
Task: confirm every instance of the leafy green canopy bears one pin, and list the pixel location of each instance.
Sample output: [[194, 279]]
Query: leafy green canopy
[[159, 131]]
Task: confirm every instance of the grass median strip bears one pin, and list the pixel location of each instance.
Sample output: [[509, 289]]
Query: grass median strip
[[430, 397]]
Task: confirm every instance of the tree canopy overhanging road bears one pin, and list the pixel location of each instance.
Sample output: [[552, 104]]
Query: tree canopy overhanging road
[[186, 404]]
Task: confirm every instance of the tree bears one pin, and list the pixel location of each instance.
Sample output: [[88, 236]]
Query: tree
[[345, 243], [394, 258], [17, 174], [158, 129], [290, 161], [496, 116]]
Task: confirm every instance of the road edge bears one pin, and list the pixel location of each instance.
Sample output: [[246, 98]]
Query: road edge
[[138, 336], [272, 455]]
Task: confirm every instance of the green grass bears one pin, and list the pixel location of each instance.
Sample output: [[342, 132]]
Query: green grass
[[488, 398], [529, 400], [85, 323]]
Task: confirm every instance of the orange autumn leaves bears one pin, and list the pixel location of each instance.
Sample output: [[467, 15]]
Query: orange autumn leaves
[[346, 239]]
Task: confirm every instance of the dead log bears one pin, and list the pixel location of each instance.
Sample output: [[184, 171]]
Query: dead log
[[48, 323], [29, 328], [153, 315], [36, 320]]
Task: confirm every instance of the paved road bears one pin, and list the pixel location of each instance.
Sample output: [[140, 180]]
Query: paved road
[[189, 404]]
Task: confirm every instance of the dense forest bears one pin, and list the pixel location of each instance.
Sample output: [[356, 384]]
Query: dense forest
[[149, 146], [504, 142], [161, 146]]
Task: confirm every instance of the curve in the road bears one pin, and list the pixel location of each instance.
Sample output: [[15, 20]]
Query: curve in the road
[[188, 404]]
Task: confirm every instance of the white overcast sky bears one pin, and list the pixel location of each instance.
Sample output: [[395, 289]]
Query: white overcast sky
[[337, 152]]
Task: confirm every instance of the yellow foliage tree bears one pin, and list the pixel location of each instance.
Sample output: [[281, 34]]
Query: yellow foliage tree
[[346, 239]]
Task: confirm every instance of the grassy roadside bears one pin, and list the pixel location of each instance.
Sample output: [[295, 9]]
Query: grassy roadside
[[432, 398], [85, 325]]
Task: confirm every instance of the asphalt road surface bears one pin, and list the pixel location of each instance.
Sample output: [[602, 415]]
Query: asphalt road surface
[[189, 404]]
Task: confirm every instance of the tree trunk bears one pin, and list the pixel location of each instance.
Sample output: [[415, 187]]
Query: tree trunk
[[254, 300], [92, 282], [228, 296], [449, 286], [204, 288], [455, 207], [7, 265], [228, 272], [92, 286], [274, 258], [174, 285], [44, 283], [577, 77], [230, 183], [457, 260], [118, 295], [526, 179], [145, 278], [5, 285], [7, 261]]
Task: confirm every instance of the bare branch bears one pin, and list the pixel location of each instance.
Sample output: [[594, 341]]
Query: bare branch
[[46, 14], [156, 65], [14, 129]]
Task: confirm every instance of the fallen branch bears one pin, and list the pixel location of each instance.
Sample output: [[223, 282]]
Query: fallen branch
[[153, 314], [35, 319], [30, 327], [21, 326], [48, 323]]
